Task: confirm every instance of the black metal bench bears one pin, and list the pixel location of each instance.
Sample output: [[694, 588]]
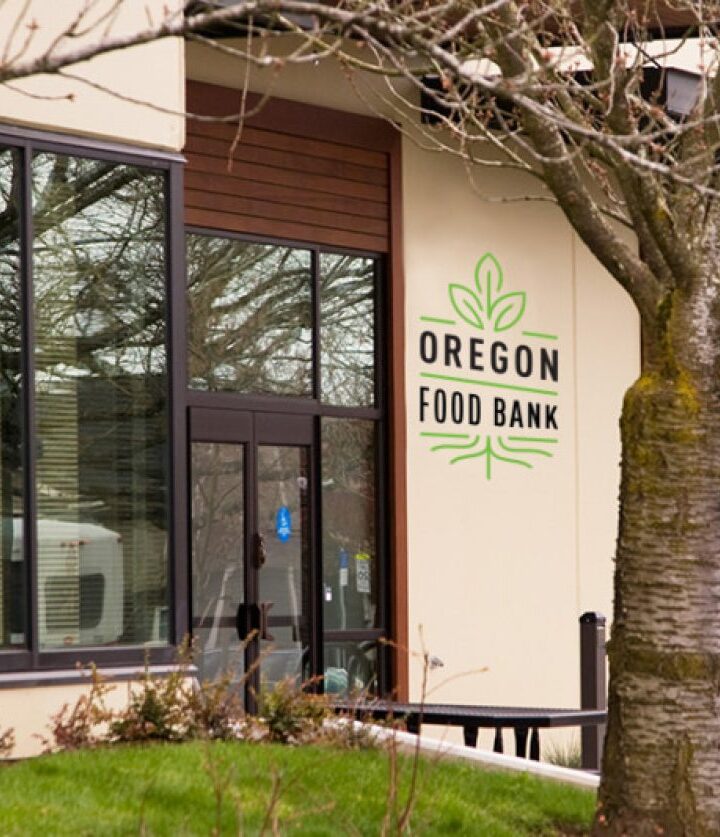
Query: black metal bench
[[591, 718], [522, 720]]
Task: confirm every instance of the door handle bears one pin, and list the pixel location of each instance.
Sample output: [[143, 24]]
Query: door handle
[[247, 620], [264, 610], [260, 550]]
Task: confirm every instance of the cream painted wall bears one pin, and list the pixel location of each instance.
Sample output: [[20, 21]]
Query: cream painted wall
[[152, 74], [492, 563], [608, 360], [499, 570]]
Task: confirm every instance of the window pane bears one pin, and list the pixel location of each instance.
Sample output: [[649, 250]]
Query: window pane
[[249, 317], [12, 564], [348, 520], [218, 566], [350, 667], [101, 402], [347, 330], [283, 497]]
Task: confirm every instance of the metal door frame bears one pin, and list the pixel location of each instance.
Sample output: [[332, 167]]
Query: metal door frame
[[251, 429]]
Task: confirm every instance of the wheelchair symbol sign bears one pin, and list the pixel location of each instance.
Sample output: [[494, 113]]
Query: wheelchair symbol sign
[[283, 524]]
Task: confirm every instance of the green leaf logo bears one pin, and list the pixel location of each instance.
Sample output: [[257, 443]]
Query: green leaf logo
[[467, 305], [507, 310], [488, 278]]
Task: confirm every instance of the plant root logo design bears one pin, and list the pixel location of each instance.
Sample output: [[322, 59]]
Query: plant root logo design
[[507, 414]]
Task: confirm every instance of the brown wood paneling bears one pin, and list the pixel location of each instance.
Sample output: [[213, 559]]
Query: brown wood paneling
[[294, 118], [298, 179], [275, 229], [283, 212], [291, 160], [199, 182], [297, 172], [287, 142]]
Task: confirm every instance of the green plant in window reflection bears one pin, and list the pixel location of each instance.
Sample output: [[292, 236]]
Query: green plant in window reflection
[[509, 450], [484, 306]]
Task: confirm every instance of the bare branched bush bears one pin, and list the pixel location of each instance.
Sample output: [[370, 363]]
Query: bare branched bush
[[85, 723], [7, 742]]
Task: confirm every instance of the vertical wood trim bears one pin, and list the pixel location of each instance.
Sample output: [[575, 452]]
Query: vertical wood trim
[[398, 431]]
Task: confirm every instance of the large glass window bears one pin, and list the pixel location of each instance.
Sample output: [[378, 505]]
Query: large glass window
[[83, 282], [100, 402]]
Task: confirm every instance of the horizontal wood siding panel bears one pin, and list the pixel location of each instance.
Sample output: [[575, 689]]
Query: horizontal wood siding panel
[[289, 160], [277, 229], [297, 172], [298, 179], [220, 185], [286, 142], [296, 214], [296, 118]]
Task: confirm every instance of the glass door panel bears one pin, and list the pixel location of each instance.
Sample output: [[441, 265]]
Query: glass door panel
[[283, 561], [218, 557]]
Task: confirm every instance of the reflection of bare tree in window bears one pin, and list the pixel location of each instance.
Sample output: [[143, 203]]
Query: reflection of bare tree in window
[[217, 548], [12, 615], [347, 329], [348, 507], [100, 312], [250, 315]]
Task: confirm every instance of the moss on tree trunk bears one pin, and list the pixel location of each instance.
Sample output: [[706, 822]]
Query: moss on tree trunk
[[661, 771]]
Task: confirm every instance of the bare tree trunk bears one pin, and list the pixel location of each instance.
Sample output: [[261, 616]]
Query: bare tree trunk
[[662, 753]]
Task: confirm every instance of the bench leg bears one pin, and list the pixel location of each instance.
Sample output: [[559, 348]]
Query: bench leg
[[535, 745], [470, 736], [498, 743], [521, 742], [412, 724]]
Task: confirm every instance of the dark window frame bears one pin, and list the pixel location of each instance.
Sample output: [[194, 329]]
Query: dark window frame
[[31, 659], [314, 407]]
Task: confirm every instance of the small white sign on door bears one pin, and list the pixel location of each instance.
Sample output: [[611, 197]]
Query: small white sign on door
[[362, 572]]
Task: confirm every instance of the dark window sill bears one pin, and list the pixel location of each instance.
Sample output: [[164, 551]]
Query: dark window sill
[[73, 677]]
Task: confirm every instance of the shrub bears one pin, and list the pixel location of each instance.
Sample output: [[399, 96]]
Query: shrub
[[84, 724], [217, 709], [292, 714], [161, 710], [174, 707], [7, 742]]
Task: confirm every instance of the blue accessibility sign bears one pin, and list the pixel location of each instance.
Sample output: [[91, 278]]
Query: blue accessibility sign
[[283, 524]]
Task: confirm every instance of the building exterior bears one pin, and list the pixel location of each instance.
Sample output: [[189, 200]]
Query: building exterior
[[248, 382]]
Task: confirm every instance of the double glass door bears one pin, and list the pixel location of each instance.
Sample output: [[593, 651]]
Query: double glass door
[[252, 535]]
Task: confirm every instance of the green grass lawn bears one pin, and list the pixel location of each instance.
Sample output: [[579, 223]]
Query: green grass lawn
[[168, 790]]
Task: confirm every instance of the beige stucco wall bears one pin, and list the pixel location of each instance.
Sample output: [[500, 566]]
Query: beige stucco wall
[[500, 569], [141, 95]]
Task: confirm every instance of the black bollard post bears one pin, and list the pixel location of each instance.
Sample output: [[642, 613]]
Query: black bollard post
[[593, 694]]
